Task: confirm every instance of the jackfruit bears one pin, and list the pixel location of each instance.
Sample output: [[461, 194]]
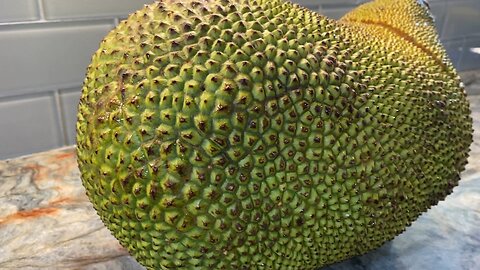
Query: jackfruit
[[256, 134]]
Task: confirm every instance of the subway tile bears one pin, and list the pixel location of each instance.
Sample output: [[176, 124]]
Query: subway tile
[[28, 125], [315, 8], [69, 103], [45, 55], [56, 9], [335, 13], [462, 19], [470, 79], [471, 54], [438, 10], [325, 2], [15, 11], [454, 50], [335, 3]]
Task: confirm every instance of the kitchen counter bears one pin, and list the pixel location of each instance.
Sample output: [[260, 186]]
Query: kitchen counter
[[47, 222]]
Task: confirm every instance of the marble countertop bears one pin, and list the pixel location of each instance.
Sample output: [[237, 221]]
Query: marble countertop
[[47, 222]]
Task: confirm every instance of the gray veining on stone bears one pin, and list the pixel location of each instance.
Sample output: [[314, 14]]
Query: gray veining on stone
[[47, 222]]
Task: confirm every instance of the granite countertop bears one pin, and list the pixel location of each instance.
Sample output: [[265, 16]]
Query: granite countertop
[[47, 222]]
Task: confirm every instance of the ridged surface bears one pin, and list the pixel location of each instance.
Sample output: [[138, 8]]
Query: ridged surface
[[261, 135]]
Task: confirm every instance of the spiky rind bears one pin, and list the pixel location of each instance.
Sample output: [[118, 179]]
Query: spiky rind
[[252, 134]]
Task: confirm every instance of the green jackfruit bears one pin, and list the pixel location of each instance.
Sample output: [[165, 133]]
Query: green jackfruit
[[256, 134]]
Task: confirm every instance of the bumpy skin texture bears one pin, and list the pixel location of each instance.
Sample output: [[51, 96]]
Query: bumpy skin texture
[[255, 134]]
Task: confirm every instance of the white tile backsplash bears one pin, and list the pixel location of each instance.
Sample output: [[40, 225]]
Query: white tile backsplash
[[69, 103], [47, 54], [46, 45], [462, 19], [67, 9], [471, 53], [438, 10], [334, 13], [454, 50], [28, 124], [22, 10]]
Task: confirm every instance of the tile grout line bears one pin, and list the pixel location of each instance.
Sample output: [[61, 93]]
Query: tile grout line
[[61, 117], [445, 22], [21, 92], [462, 54], [91, 20], [41, 10]]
